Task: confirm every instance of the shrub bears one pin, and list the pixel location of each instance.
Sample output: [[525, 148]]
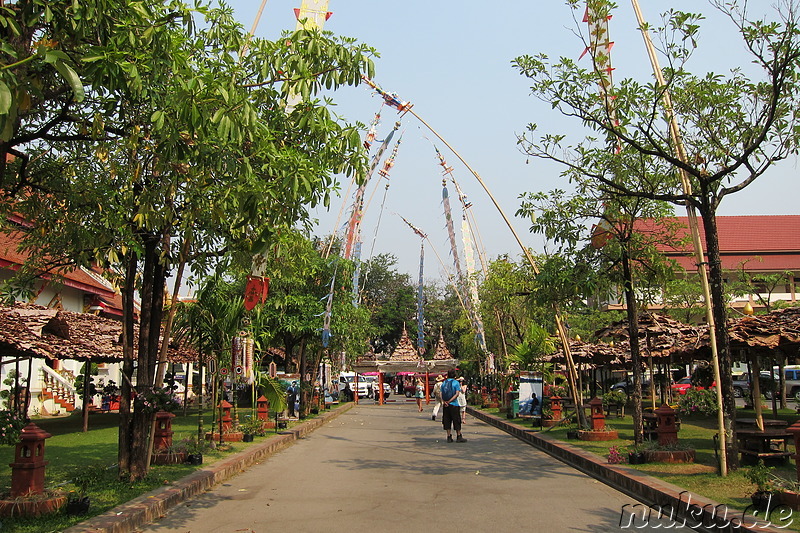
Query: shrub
[[614, 396], [614, 457], [11, 425], [698, 401]]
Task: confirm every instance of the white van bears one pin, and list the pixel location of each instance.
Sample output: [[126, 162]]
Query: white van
[[349, 378]]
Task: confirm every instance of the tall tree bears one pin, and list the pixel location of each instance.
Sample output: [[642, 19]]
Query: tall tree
[[210, 154], [732, 128], [391, 299]]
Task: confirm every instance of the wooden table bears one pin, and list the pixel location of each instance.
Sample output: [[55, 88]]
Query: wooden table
[[769, 423], [767, 444]]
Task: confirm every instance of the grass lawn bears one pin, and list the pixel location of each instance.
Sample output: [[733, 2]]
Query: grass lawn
[[700, 477], [70, 450]]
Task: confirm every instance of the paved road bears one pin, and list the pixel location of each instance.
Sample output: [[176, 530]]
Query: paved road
[[389, 469]]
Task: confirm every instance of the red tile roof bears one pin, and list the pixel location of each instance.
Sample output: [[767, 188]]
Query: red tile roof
[[763, 242], [12, 258]]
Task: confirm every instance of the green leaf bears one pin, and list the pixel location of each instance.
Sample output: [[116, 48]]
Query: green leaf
[[5, 98], [72, 78]]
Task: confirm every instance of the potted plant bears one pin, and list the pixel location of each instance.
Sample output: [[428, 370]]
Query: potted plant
[[763, 497], [250, 427], [636, 455], [194, 450], [83, 478]]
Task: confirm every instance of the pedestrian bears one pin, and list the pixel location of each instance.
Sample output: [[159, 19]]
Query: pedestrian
[[437, 396], [462, 399], [451, 416], [291, 398], [419, 394]]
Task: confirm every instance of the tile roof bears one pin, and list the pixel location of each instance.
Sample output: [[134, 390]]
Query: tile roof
[[12, 258], [761, 242]]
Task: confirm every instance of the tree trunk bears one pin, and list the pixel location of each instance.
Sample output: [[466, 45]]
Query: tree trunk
[[633, 333], [152, 294], [715, 281], [305, 392], [87, 373], [126, 386]]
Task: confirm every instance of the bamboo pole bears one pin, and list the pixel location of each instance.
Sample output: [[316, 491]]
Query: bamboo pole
[[694, 229]]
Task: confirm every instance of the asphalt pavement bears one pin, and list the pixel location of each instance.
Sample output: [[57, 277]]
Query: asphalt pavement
[[388, 468]]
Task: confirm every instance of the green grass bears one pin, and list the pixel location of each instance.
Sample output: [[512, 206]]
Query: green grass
[[700, 477], [69, 449]]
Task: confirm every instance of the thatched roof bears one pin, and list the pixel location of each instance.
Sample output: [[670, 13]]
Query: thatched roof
[[442, 352], [404, 351], [776, 330], [28, 330]]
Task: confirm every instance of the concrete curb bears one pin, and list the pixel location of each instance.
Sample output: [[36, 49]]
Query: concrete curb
[[154, 504], [688, 508]]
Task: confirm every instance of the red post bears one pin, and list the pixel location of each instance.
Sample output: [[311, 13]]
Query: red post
[[355, 392], [556, 407], [262, 408], [667, 429], [27, 470], [598, 418], [162, 438], [380, 388], [226, 422], [427, 389]]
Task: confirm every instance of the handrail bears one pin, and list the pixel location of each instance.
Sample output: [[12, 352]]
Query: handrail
[[59, 378]]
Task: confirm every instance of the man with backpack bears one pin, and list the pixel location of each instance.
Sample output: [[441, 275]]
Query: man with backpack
[[451, 415]]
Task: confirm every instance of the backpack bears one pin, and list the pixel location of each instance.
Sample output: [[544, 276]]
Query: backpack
[[449, 389]]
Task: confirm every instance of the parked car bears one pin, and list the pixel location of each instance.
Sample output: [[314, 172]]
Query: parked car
[[684, 384], [627, 387], [681, 386], [741, 385], [791, 381]]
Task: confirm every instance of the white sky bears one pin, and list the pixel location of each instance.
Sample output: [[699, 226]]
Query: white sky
[[452, 60]]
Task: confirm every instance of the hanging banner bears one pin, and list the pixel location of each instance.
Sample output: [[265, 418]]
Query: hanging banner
[[255, 292]]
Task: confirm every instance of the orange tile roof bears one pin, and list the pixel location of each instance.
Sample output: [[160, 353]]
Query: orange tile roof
[[12, 258], [762, 242]]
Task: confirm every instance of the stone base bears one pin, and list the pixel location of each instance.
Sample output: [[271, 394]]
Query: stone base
[[669, 456], [37, 505], [789, 499], [172, 458], [233, 436], [608, 434]]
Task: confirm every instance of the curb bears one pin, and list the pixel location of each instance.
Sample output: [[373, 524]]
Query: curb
[[672, 502], [148, 507]]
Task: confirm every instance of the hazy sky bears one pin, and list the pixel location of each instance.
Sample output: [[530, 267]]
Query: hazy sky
[[452, 60]]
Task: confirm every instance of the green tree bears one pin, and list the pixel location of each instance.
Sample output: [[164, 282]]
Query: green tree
[[210, 162], [733, 128], [391, 299], [528, 353]]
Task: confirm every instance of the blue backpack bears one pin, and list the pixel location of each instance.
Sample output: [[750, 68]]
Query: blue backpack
[[449, 389]]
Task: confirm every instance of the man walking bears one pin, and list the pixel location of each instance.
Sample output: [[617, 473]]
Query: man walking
[[437, 395], [452, 412]]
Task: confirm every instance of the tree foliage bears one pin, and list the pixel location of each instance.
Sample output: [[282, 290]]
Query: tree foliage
[[181, 150], [733, 127]]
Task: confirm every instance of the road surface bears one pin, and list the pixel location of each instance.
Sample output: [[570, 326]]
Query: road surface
[[389, 469]]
